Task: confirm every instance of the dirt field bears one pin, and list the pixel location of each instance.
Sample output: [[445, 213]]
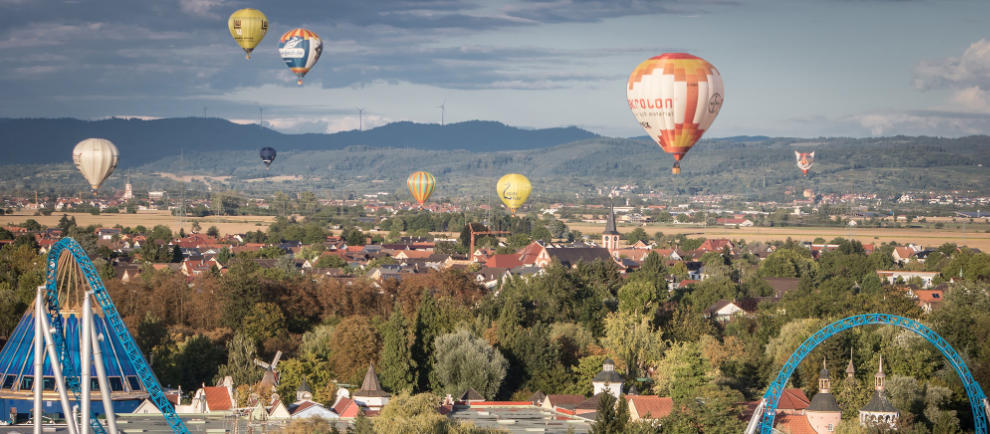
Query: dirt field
[[226, 225], [926, 237]]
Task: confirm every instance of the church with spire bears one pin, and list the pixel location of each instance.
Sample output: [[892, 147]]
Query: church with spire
[[823, 414], [610, 237]]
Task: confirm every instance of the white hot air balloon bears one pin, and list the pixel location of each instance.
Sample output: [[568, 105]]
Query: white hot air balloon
[[96, 159]]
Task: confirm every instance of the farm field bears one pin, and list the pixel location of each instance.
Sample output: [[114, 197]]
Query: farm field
[[927, 237], [226, 224]]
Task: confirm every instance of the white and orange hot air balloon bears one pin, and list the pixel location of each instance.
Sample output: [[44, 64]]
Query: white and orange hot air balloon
[[675, 97]]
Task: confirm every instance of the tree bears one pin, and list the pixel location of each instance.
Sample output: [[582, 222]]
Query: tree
[[396, 367], [428, 327], [637, 234], [464, 361], [412, 413], [612, 417], [633, 339], [264, 323], [356, 345], [213, 232], [787, 263], [682, 373], [241, 352]]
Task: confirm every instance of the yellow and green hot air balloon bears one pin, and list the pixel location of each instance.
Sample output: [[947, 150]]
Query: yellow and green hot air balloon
[[421, 185], [248, 27], [513, 189]]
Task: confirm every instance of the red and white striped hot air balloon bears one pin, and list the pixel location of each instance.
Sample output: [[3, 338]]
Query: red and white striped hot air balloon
[[675, 97]]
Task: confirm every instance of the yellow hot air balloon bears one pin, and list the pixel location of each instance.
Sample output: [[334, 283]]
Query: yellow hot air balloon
[[513, 189], [96, 159], [675, 97], [248, 27], [421, 185]]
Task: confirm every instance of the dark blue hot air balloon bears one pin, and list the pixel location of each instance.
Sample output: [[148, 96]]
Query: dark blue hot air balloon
[[267, 156]]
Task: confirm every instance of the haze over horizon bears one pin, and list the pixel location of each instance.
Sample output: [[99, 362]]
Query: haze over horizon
[[791, 68]]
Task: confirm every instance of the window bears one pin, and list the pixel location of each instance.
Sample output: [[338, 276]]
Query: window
[[8, 382], [94, 384], [830, 428], [116, 385], [27, 382], [133, 381], [48, 383]]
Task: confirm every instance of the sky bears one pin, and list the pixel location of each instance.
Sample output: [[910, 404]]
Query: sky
[[797, 68]]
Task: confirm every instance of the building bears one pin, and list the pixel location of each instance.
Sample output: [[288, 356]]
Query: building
[[371, 395], [824, 414], [879, 411], [610, 237], [607, 380], [649, 407], [17, 369]]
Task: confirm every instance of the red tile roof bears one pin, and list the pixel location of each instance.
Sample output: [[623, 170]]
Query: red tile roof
[[654, 407], [793, 424], [565, 400], [218, 398], [503, 261], [793, 399]]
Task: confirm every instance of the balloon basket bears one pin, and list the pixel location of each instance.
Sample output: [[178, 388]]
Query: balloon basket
[[299, 82]]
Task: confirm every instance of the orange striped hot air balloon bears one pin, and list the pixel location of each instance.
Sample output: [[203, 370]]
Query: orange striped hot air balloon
[[675, 97], [421, 185]]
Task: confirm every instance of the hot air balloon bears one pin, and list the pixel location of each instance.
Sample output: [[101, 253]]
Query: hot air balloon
[[248, 27], [268, 155], [804, 160], [675, 97], [300, 49], [421, 185], [96, 159], [513, 189]]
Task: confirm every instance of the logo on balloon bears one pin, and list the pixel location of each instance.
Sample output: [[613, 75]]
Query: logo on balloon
[[714, 103]]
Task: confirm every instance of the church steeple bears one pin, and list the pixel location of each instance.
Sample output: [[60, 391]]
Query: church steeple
[[824, 382], [610, 237], [850, 370]]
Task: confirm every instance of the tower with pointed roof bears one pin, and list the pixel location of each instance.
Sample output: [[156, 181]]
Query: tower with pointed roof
[[879, 411], [371, 394], [303, 392], [610, 237], [850, 369], [607, 380], [824, 413]]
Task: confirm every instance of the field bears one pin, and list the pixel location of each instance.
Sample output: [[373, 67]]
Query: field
[[226, 225], [926, 237]]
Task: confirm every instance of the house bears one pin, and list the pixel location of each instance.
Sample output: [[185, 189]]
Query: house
[[504, 261], [902, 255], [308, 409], [567, 402], [607, 380], [470, 395], [723, 310], [741, 222], [717, 245], [371, 395], [649, 407], [107, 234], [782, 285], [346, 408], [891, 276], [929, 299], [211, 399], [571, 256]]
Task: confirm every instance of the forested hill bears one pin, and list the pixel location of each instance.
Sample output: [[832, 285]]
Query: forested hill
[[40, 141]]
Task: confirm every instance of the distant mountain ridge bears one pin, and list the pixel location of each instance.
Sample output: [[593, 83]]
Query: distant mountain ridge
[[144, 141]]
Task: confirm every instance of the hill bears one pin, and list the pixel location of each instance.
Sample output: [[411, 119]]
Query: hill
[[144, 141]]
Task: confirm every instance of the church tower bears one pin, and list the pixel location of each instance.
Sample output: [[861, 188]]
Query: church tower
[[879, 411], [824, 413], [610, 238]]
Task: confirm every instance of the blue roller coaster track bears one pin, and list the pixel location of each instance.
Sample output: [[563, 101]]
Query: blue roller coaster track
[[92, 278], [768, 407]]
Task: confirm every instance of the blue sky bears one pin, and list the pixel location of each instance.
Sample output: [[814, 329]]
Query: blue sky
[[803, 68]]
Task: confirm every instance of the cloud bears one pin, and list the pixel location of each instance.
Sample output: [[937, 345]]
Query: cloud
[[970, 69], [972, 98], [202, 8], [928, 123], [564, 11]]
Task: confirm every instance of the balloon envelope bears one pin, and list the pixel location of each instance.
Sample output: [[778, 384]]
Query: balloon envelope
[[675, 97], [268, 155], [421, 185], [513, 189], [300, 49], [96, 159], [804, 160], [248, 27]]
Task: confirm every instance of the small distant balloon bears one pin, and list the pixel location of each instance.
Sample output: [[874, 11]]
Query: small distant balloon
[[248, 27], [805, 160], [513, 189], [95, 159], [268, 155], [300, 49], [675, 97], [421, 185]]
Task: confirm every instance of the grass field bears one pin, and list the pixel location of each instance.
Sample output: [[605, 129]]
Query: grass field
[[226, 225], [926, 237], [240, 224]]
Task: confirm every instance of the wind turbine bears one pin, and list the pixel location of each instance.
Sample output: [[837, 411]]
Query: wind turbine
[[443, 111], [360, 118]]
